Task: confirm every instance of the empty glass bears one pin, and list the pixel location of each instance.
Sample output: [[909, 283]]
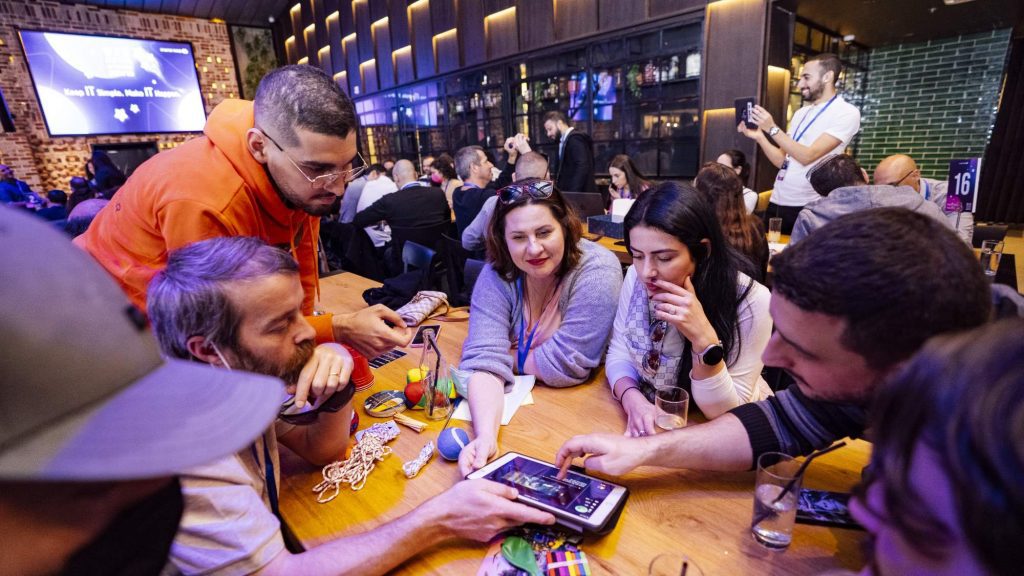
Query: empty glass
[[671, 404]]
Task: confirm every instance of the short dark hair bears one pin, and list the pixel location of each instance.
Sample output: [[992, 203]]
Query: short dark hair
[[187, 298], [829, 63], [572, 230], [302, 96], [896, 277], [446, 166], [962, 397], [835, 172], [556, 116], [57, 197], [737, 159]]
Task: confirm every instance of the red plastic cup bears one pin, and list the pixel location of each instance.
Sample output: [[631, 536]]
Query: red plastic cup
[[362, 376]]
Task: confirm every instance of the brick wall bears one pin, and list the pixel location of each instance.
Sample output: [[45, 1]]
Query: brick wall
[[935, 100], [46, 162]]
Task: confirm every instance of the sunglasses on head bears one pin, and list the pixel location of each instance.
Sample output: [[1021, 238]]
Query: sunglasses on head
[[532, 187]]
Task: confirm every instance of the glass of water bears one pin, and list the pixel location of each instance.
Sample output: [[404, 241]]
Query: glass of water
[[671, 404], [772, 525], [774, 230], [991, 253]]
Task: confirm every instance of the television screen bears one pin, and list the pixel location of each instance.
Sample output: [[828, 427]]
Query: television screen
[[106, 85], [601, 89]]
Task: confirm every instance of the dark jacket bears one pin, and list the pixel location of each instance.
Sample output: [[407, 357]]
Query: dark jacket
[[576, 165], [467, 200], [412, 207]]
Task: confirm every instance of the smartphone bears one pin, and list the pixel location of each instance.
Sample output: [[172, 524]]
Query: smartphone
[[744, 106], [417, 340], [579, 502], [825, 508]]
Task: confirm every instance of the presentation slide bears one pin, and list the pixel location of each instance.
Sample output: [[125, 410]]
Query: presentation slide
[[106, 85]]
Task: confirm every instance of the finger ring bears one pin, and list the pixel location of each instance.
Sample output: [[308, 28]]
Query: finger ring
[[335, 373]]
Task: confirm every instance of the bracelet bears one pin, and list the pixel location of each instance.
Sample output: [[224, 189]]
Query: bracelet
[[628, 388]]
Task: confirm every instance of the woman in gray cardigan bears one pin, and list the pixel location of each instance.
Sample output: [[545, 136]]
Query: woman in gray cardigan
[[543, 305]]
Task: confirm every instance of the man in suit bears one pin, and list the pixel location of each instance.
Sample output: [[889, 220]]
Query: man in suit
[[414, 205], [575, 172]]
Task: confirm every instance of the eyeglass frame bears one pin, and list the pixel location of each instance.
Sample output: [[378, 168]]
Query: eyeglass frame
[[652, 360], [905, 176], [536, 188], [327, 179]]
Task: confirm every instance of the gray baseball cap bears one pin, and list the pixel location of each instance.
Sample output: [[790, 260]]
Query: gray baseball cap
[[84, 392]]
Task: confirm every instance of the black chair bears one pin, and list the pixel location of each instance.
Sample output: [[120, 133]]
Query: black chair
[[417, 256], [427, 236], [454, 257], [984, 232]]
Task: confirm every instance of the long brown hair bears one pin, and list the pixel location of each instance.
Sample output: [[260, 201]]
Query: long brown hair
[[634, 178], [724, 190]]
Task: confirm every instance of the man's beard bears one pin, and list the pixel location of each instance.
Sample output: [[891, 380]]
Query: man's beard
[[813, 94], [294, 203], [288, 371]]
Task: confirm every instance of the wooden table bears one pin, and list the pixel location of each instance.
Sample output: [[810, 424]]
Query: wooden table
[[618, 247], [703, 514]]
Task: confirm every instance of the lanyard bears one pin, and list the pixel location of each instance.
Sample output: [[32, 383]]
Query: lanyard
[[927, 190], [800, 134], [268, 466], [523, 350]]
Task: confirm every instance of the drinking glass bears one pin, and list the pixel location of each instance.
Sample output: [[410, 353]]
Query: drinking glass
[[991, 253], [671, 404], [774, 230], [673, 565], [773, 519]]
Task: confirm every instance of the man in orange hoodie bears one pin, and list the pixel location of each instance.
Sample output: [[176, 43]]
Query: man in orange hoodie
[[269, 169]]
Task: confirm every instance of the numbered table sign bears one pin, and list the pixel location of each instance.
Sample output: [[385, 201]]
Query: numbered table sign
[[962, 194]]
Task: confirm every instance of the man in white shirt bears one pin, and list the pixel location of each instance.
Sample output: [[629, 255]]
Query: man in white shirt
[[901, 170], [825, 125], [377, 186]]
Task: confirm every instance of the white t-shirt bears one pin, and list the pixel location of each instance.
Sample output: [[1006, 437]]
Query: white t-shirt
[[749, 200], [375, 190], [840, 120]]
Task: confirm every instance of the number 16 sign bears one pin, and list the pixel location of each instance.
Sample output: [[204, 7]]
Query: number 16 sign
[[962, 193]]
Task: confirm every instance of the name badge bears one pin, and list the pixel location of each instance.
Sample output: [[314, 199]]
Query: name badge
[[782, 170]]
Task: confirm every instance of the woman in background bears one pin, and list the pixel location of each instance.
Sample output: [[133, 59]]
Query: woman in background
[[443, 175], [737, 160], [723, 190], [686, 316], [627, 181]]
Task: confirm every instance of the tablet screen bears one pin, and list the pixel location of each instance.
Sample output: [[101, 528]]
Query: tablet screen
[[576, 494]]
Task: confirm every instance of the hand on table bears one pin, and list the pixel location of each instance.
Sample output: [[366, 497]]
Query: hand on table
[[480, 510], [368, 332], [605, 453], [326, 372], [640, 414], [476, 454], [680, 307]]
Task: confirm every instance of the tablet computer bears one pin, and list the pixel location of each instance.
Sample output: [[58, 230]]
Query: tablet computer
[[579, 502]]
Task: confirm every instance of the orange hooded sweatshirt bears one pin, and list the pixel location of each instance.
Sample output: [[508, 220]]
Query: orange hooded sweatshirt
[[208, 187]]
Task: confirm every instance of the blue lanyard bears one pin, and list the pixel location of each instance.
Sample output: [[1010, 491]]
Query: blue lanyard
[[927, 190], [523, 350], [800, 134], [268, 465]]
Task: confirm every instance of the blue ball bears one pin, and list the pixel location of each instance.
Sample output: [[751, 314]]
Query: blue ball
[[450, 443]]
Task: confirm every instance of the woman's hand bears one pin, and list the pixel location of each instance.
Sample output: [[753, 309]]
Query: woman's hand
[[680, 307], [614, 193], [476, 454], [640, 414]]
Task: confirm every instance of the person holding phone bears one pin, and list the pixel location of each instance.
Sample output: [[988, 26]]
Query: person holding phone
[[686, 316], [627, 181], [543, 305]]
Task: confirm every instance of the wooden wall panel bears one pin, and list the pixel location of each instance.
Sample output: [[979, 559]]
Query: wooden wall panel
[[574, 18], [398, 23], [615, 14], [382, 42], [364, 39], [320, 13], [299, 44], [334, 41], [378, 9], [421, 38], [443, 15], [471, 31], [501, 34], [536, 23], [368, 71], [348, 17], [351, 49], [405, 72], [446, 50], [659, 8]]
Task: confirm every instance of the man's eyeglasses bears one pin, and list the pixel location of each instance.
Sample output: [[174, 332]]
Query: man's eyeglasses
[[905, 176], [532, 187], [324, 180], [652, 360], [309, 414]]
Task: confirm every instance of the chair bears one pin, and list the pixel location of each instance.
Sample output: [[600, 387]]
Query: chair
[[984, 232], [470, 274], [417, 256], [762, 201], [454, 257], [426, 236]]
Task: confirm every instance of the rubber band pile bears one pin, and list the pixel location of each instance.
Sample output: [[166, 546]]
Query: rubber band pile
[[371, 449]]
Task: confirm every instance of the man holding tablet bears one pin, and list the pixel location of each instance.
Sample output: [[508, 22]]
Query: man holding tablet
[[847, 311]]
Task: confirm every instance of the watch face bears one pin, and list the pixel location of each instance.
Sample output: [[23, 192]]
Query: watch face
[[713, 355]]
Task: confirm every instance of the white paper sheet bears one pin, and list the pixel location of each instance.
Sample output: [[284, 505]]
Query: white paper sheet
[[520, 395]]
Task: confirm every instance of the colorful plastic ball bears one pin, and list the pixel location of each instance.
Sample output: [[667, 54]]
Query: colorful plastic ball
[[415, 399], [450, 443]]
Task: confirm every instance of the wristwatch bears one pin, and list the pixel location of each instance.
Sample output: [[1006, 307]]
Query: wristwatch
[[774, 130], [711, 355]]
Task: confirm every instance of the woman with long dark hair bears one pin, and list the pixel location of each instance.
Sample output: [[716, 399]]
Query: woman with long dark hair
[[543, 305], [627, 181], [724, 191], [737, 161], [686, 317], [444, 176]]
